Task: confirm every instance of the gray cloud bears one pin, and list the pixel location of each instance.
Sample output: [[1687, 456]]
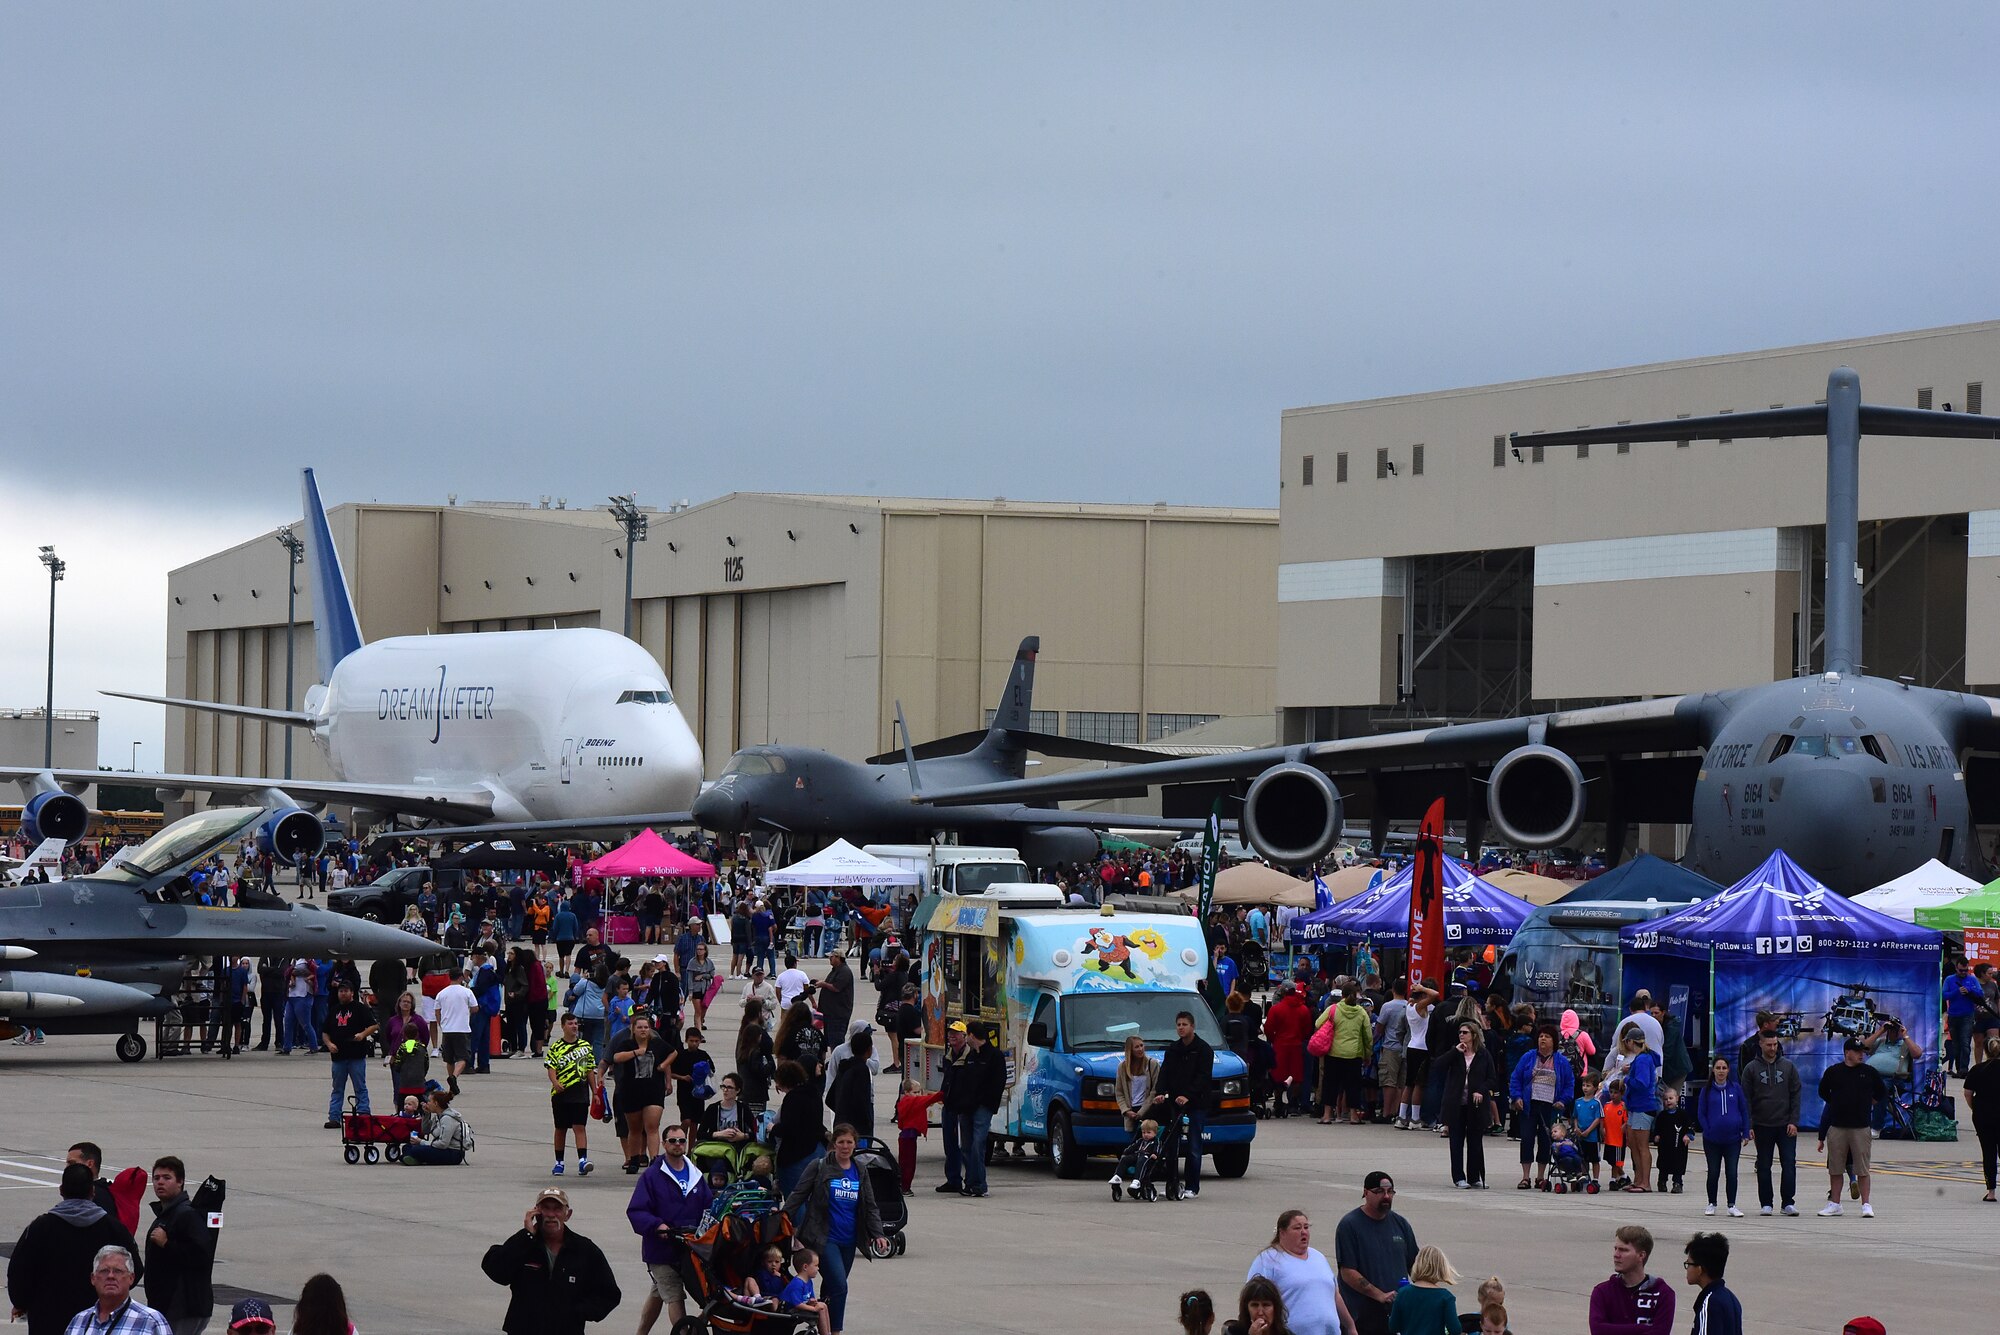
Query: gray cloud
[[1086, 252]]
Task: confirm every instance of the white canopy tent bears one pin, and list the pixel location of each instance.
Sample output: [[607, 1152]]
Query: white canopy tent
[[841, 863], [1930, 886]]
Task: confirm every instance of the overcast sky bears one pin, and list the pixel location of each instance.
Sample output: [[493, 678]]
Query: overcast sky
[[1076, 251]]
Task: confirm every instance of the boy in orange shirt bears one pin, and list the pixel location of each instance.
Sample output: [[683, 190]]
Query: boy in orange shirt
[[1615, 1120]]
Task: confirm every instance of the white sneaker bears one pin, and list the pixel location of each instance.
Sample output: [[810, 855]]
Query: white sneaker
[[1463, 1185], [1830, 1209], [1709, 1210], [1764, 1210], [1116, 1180], [1867, 1210], [1734, 1213], [1790, 1210]]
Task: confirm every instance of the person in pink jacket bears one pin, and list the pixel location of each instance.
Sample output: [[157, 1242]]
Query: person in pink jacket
[[1576, 1044]]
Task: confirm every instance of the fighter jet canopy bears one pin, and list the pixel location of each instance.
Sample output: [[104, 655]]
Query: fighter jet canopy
[[182, 844]]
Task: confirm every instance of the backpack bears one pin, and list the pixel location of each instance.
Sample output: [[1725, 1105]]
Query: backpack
[[812, 1046], [1574, 1055]]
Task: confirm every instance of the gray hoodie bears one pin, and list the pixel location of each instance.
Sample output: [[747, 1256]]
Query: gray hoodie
[[1772, 1090]]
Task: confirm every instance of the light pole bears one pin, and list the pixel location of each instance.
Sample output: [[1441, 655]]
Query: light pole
[[295, 555], [56, 568], [625, 509], [135, 757]]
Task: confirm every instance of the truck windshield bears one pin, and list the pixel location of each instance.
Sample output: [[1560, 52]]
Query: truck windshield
[[976, 878], [1102, 1021], [1565, 968]]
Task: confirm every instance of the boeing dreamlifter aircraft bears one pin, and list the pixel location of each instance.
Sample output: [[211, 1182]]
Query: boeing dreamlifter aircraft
[[493, 728]]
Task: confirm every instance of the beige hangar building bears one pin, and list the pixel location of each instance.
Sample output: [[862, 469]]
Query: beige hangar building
[[792, 618], [1428, 573]]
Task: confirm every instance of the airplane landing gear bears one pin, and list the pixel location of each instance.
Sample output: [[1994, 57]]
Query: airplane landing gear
[[131, 1048]]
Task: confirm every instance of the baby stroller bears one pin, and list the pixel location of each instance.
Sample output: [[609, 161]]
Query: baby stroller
[[373, 1136], [878, 1161], [1567, 1173], [722, 1163], [716, 1260], [1141, 1168]]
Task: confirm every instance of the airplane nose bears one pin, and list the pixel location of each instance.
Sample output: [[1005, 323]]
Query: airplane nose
[[720, 809], [1816, 823]]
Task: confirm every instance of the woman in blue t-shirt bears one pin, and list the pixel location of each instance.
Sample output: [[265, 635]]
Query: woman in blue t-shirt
[[838, 1210]]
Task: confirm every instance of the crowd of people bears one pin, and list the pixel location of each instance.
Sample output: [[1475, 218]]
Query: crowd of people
[[78, 1268], [1382, 1281]]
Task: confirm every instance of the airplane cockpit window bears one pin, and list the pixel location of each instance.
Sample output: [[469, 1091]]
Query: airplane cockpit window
[[755, 762], [645, 698], [1873, 746], [1823, 745], [184, 842]]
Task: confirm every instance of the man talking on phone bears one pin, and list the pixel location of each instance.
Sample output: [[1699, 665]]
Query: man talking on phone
[[560, 1279]]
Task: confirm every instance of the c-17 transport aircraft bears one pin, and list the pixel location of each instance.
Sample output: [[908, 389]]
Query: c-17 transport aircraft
[[1857, 778], [487, 728], [98, 953]]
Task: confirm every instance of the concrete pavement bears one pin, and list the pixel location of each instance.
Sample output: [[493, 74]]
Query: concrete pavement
[[1037, 1255]]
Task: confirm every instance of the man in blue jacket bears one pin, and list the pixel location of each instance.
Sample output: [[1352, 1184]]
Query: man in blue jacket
[[1716, 1311], [1962, 995], [1541, 1086], [672, 1194], [485, 985]]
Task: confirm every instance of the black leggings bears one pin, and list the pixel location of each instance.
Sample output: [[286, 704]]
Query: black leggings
[[1722, 1156], [1989, 1146]]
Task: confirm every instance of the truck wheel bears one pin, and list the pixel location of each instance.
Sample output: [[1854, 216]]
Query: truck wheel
[[1064, 1152], [1230, 1160], [131, 1048]]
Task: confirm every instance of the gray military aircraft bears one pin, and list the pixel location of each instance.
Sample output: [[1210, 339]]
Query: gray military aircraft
[[106, 949], [811, 796], [1858, 778]]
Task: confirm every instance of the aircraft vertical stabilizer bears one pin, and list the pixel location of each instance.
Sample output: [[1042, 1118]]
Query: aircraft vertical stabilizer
[[1016, 703], [336, 630]]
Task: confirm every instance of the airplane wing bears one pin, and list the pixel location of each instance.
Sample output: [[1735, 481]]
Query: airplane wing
[[1041, 743], [544, 829], [409, 799], [296, 718], [1105, 820], [1666, 724]]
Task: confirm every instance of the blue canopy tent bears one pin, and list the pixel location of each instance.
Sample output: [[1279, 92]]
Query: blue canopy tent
[[1476, 912], [1780, 941], [1645, 879]]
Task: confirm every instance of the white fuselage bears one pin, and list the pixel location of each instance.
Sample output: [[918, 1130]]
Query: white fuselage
[[554, 723]]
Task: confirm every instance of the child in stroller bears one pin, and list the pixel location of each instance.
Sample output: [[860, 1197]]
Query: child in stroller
[[1570, 1171], [770, 1286], [727, 1271], [1140, 1165]]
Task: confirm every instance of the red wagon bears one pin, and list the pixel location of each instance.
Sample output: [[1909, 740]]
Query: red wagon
[[364, 1135]]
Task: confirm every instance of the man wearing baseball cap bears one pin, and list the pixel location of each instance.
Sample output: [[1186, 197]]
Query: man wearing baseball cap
[[253, 1316], [559, 1278], [1849, 1091]]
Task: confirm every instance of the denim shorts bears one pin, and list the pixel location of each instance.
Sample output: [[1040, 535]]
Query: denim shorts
[[1639, 1121]]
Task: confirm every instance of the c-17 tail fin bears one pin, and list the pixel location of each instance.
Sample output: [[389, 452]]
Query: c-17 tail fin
[[336, 630]]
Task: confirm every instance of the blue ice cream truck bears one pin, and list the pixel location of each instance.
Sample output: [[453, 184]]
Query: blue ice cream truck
[[1061, 990]]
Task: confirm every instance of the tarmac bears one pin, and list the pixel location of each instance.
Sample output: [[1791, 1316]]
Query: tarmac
[[1036, 1255]]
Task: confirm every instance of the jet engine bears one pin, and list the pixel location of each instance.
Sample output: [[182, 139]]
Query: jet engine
[[291, 836], [54, 815], [1053, 845], [1292, 814], [1535, 797]]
